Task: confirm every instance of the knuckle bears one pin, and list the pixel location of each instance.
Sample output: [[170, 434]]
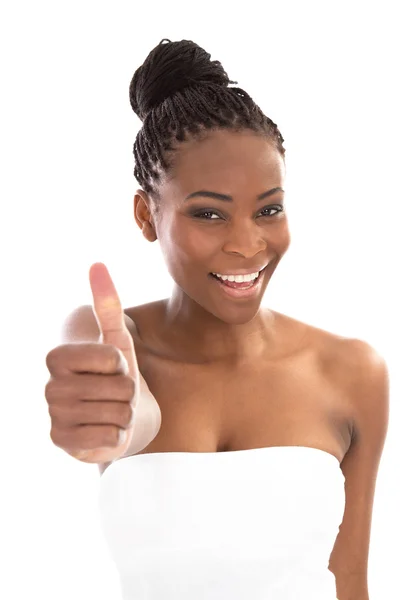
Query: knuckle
[[48, 390], [54, 390], [55, 436], [52, 358], [52, 413], [59, 414]]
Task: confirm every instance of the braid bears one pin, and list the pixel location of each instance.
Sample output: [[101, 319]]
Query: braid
[[180, 94]]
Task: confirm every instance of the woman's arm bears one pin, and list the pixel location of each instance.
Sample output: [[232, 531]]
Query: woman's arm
[[369, 388]]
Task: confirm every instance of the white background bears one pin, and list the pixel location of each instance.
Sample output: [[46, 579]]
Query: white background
[[327, 74]]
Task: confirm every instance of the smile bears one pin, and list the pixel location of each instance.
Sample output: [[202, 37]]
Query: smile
[[239, 286]]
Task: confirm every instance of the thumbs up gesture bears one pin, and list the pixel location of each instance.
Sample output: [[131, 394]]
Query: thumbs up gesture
[[100, 405]]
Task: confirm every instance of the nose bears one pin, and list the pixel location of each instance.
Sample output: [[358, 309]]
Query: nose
[[245, 239]]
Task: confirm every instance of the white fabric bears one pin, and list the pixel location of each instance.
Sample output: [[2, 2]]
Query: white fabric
[[256, 524]]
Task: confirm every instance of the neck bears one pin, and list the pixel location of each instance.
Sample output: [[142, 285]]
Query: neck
[[195, 332]]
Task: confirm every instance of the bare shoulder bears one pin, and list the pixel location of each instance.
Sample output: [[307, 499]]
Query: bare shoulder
[[345, 357], [352, 362], [364, 372], [353, 359]]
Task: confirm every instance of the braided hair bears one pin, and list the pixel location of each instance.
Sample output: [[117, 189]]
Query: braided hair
[[179, 94]]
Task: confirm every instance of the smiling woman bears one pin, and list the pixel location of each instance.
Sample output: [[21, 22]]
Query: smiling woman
[[259, 483], [236, 232], [231, 376]]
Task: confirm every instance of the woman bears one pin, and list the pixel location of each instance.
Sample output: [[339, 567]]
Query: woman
[[258, 483]]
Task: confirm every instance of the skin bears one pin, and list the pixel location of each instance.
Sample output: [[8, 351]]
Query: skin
[[205, 335], [244, 236]]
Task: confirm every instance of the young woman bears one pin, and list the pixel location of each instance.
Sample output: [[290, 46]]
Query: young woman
[[253, 440]]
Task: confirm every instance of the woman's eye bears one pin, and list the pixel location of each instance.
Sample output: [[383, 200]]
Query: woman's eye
[[273, 211], [278, 209], [206, 212]]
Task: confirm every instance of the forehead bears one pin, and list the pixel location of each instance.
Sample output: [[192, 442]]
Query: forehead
[[228, 162]]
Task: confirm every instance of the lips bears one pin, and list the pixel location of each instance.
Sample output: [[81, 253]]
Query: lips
[[239, 291], [244, 272], [248, 272]]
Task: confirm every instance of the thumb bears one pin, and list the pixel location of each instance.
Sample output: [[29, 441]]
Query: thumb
[[110, 316]]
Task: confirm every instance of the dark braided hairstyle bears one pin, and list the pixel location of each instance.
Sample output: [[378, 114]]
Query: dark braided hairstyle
[[179, 93]]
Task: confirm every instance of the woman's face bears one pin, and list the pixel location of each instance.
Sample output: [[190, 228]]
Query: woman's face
[[200, 233]]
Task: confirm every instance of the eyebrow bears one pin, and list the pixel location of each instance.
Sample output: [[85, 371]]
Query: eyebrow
[[226, 198]]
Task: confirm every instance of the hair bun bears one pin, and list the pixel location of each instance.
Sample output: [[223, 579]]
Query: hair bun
[[170, 68]]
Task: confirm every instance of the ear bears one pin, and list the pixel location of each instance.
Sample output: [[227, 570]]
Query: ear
[[143, 216]]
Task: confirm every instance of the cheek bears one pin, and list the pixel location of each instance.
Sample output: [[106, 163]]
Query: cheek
[[286, 238], [191, 242], [186, 249], [279, 237], [200, 242]]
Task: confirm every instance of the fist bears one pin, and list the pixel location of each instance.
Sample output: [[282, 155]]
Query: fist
[[94, 388]]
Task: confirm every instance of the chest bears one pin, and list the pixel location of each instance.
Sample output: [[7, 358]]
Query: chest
[[209, 408]]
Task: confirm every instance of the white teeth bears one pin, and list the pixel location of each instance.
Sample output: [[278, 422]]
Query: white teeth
[[238, 278]]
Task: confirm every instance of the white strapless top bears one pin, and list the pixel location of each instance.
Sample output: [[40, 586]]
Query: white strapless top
[[256, 524]]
